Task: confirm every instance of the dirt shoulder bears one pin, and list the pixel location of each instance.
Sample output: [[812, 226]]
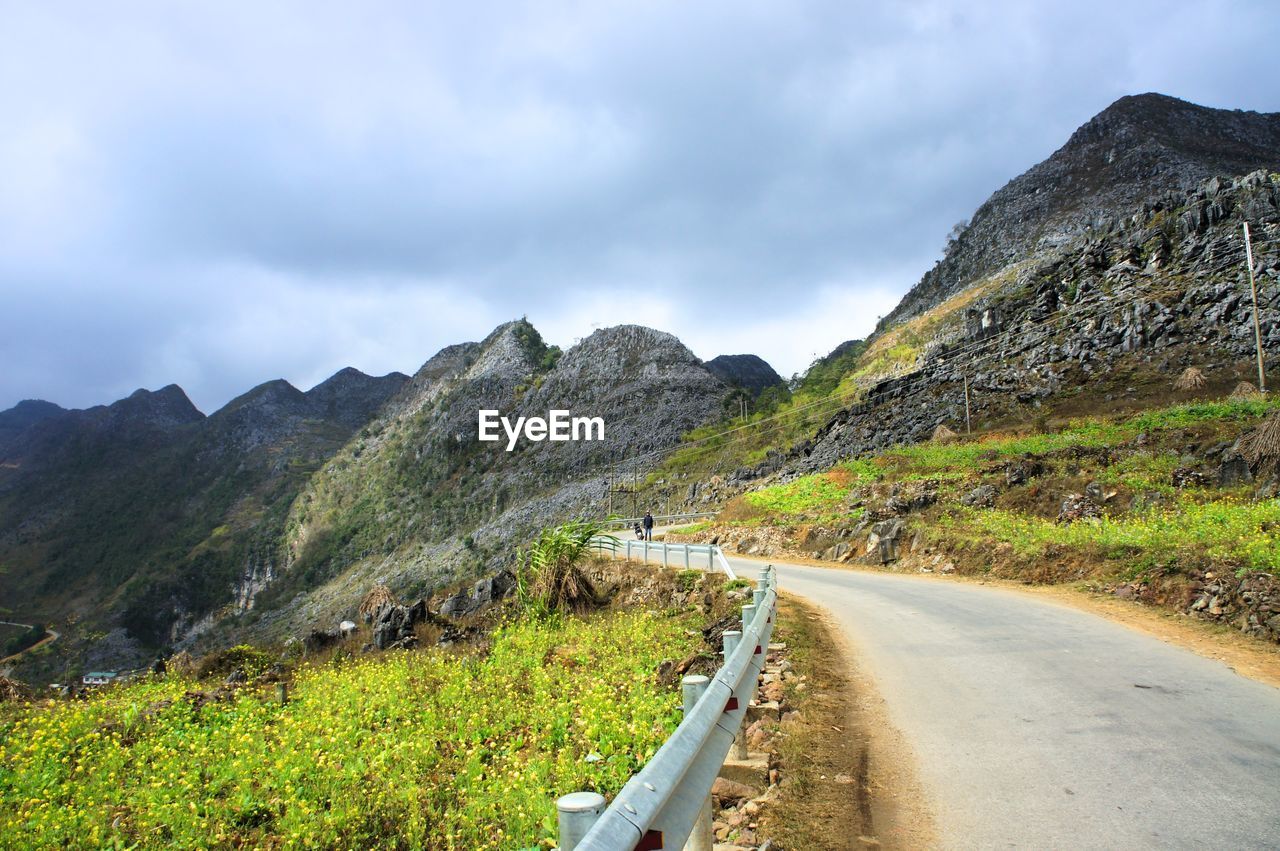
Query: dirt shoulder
[[848, 776], [1247, 656]]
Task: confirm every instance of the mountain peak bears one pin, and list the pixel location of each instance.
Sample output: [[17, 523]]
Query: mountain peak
[[750, 372], [164, 408], [1139, 147]]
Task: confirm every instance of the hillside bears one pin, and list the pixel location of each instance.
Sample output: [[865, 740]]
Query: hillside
[[145, 525], [1175, 506], [418, 502], [1077, 287], [133, 521]]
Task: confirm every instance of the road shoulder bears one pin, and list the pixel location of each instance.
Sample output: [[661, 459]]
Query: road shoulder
[[849, 779]]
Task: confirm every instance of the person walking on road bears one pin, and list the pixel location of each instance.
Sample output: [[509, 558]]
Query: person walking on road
[[648, 526]]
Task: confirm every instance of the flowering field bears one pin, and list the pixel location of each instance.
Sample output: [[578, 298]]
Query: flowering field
[[413, 750]]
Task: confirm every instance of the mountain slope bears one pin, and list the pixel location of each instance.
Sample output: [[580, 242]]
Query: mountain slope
[[139, 518], [417, 501], [1139, 146]]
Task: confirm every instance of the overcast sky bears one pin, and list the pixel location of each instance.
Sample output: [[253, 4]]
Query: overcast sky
[[219, 194]]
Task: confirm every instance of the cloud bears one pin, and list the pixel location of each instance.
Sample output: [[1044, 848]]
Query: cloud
[[220, 195]]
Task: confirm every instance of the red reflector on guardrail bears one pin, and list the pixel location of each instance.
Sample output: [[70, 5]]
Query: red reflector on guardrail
[[731, 704], [651, 841]]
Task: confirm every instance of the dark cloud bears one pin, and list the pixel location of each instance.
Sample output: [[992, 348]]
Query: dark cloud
[[222, 195]]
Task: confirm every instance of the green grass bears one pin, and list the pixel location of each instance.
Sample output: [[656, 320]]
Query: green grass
[[1246, 534], [414, 750], [1199, 524], [820, 494], [692, 528]]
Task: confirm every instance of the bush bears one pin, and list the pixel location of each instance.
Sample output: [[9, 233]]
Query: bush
[[550, 577]]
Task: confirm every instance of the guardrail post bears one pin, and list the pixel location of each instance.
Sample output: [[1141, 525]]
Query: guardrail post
[[711, 555], [575, 814], [730, 640], [664, 553], [646, 550], [757, 595], [628, 549], [686, 556], [701, 838]]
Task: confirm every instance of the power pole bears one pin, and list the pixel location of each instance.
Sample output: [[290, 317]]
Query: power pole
[[1257, 327], [968, 429], [613, 472], [635, 496]]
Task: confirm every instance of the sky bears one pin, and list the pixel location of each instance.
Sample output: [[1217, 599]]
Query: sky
[[221, 194]]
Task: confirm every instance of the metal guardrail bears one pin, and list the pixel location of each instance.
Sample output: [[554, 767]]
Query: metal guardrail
[[631, 521], [668, 801], [691, 555]]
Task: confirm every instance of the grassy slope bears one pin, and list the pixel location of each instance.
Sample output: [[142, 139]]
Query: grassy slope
[[1128, 456], [425, 749]]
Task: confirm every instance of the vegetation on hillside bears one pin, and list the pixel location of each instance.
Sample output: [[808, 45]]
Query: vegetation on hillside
[[1149, 518], [411, 750]]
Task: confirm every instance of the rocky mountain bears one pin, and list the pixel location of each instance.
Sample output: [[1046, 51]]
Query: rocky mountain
[[281, 509], [1139, 147], [749, 372], [138, 518], [418, 502], [1105, 322], [24, 415]]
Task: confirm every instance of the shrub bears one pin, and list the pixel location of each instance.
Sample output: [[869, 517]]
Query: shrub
[[550, 577]]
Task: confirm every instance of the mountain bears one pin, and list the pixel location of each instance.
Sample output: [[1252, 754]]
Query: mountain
[[418, 502], [138, 518], [24, 415], [749, 372], [278, 511], [1141, 145], [1082, 284]]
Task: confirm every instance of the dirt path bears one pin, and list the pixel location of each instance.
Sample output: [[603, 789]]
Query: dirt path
[[849, 774], [50, 637]]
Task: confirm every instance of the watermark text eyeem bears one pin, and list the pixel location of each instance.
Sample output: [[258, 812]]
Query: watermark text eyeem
[[558, 425]]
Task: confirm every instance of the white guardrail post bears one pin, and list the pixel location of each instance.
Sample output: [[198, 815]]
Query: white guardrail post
[[667, 803]]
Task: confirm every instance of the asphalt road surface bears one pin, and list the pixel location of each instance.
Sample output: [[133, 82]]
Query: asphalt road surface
[[1039, 726]]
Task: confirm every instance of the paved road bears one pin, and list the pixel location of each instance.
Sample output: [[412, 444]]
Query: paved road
[[1039, 726]]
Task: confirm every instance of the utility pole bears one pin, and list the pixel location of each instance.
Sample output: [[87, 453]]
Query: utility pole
[[968, 429], [635, 496], [1257, 327], [613, 473]]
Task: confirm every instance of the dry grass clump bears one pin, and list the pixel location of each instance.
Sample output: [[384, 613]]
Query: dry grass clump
[[1261, 447], [1191, 379], [1244, 390], [12, 690], [373, 601], [942, 434]]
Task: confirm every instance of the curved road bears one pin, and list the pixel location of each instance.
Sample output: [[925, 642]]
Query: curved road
[[1040, 726]]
